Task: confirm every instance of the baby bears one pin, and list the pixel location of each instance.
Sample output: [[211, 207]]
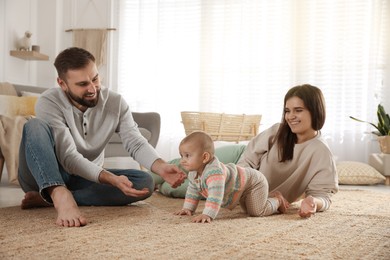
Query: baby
[[223, 185]]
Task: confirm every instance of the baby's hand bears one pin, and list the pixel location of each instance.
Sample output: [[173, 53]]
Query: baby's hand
[[183, 212], [202, 218]]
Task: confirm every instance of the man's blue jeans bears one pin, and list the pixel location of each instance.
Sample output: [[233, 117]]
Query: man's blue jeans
[[40, 169]]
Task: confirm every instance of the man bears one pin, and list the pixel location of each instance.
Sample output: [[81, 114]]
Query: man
[[62, 150]]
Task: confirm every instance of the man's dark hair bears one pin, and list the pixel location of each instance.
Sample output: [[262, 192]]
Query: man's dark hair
[[71, 59]]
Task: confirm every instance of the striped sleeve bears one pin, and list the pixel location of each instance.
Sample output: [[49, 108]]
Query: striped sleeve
[[192, 197], [325, 204], [215, 187]]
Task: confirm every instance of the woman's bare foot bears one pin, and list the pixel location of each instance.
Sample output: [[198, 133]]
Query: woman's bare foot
[[283, 203], [69, 214], [32, 199]]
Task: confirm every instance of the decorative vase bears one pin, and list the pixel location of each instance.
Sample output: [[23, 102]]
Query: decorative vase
[[384, 142]]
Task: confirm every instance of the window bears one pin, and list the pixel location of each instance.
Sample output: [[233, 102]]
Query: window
[[242, 56]]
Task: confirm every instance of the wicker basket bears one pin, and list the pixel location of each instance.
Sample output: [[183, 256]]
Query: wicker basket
[[222, 127], [384, 142]]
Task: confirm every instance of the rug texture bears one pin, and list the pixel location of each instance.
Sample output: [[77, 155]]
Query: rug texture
[[357, 226]]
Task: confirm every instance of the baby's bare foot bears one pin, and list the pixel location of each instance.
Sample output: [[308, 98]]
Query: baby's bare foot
[[32, 199]]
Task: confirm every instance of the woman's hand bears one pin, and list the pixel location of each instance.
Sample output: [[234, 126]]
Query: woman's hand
[[308, 207]]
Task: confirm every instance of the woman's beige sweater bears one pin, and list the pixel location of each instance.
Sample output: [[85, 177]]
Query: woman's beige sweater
[[312, 170]]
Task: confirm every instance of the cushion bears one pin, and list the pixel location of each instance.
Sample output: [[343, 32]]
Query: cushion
[[357, 173], [230, 153], [13, 105]]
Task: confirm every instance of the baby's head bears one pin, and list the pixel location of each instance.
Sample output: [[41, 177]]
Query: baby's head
[[199, 141], [196, 150]]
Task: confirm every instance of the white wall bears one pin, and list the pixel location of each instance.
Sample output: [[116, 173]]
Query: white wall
[[2, 39], [48, 20]]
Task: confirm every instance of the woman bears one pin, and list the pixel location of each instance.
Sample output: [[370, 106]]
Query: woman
[[293, 156]]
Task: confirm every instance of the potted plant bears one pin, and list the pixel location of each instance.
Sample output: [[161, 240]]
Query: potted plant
[[382, 128]]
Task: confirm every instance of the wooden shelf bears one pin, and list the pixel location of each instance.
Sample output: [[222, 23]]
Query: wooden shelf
[[29, 55]]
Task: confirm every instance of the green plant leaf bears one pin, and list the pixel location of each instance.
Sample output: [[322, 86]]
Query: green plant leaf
[[383, 125], [362, 121]]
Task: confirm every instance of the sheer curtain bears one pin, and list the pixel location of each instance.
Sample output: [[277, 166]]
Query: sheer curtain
[[242, 57]]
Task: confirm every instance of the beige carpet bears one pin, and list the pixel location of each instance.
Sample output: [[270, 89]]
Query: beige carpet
[[356, 227]]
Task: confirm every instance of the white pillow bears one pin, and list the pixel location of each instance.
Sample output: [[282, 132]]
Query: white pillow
[[29, 94], [357, 173]]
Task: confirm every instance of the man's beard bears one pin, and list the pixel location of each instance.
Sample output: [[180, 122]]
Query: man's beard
[[82, 101]]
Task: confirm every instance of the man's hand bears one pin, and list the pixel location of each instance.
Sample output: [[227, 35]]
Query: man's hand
[[122, 183], [169, 172]]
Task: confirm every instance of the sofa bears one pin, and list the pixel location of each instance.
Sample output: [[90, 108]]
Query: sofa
[[149, 123]]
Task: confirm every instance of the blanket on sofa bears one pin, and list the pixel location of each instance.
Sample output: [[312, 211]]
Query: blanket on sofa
[[10, 136], [14, 112]]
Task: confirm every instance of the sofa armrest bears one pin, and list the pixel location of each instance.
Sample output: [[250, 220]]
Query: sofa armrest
[[150, 121], [149, 124], [20, 88]]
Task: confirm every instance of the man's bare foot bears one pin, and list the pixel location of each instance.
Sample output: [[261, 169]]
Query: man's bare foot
[[69, 214], [283, 203], [32, 199]]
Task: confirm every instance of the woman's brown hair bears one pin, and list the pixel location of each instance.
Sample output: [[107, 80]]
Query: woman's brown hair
[[314, 101]]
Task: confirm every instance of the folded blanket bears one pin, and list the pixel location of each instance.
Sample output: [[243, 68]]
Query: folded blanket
[[10, 136]]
